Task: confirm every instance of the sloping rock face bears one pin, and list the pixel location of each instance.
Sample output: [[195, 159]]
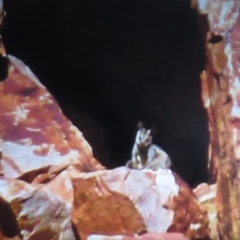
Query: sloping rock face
[[221, 97], [35, 135], [132, 201], [29, 205]]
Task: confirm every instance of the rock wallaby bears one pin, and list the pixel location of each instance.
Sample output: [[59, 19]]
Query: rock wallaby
[[145, 154]]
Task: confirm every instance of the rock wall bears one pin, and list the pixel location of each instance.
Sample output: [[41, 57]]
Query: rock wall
[[221, 97]]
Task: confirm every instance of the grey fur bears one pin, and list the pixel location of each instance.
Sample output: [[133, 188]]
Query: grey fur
[[147, 155]]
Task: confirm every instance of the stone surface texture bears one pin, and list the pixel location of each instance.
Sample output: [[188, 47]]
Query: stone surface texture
[[38, 144], [147, 236], [35, 135], [206, 195], [221, 98], [40, 214], [136, 201]]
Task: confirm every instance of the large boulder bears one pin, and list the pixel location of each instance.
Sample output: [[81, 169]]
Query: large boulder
[[127, 202], [34, 134]]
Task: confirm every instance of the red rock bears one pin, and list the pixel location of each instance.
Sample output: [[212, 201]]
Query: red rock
[[133, 202], [147, 236], [60, 185], [35, 134], [40, 214], [221, 97]]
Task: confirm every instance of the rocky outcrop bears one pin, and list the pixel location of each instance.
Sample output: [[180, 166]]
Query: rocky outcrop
[[220, 94], [37, 144], [35, 136], [52, 187], [132, 201], [40, 214], [56, 189]]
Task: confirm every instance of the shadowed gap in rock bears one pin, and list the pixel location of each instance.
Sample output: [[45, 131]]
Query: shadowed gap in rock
[[4, 63], [8, 222], [215, 39], [75, 232]]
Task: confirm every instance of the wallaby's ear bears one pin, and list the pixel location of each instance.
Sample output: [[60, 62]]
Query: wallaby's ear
[[140, 125]]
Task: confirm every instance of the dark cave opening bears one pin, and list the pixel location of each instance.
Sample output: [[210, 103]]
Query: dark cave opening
[[110, 64]]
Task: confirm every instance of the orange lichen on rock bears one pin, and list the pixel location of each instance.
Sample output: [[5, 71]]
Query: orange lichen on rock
[[40, 214]]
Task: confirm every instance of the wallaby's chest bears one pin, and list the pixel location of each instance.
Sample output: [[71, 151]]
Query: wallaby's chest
[[143, 153]]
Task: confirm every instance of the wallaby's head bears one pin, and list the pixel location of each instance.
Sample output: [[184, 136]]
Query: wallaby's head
[[144, 136]]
